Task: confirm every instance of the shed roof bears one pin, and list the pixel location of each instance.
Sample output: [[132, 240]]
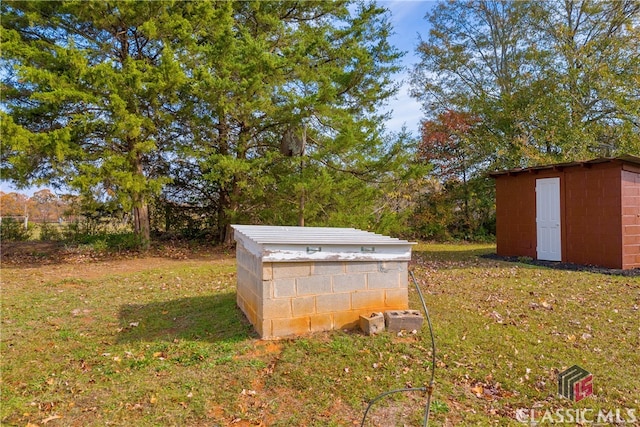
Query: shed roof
[[289, 243], [624, 159]]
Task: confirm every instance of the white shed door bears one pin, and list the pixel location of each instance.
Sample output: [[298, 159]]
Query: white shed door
[[548, 219]]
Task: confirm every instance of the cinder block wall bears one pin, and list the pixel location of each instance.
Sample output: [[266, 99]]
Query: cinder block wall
[[294, 298], [630, 219]]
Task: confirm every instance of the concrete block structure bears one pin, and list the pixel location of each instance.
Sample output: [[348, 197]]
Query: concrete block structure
[[296, 280]]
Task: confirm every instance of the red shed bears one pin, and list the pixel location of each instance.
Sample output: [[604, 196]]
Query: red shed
[[580, 212]]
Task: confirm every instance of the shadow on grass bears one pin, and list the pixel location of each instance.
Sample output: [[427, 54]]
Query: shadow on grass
[[557, 265], [440, 253], [460, 254], [208, 318], [34, 254]]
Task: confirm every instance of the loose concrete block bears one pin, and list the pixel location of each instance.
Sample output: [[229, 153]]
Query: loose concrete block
[[398, 320], [372, 324]]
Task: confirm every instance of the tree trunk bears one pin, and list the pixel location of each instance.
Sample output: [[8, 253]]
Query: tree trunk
[[226, 204], [224, 198], [465, 184], [301, 213], [222, 220], [141, 223], [302, 193], [232, 206]]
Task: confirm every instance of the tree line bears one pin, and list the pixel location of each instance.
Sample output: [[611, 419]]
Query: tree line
[[126, 101], [269, 112], [43, 206], [514, 84]]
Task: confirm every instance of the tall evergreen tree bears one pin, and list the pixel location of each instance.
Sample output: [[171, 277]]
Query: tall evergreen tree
[[89, 89], [119, 99], [314, 69]]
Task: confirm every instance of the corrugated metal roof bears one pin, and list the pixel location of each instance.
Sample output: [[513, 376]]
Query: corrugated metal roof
[[284, 243], [622, 159], [308, 235]]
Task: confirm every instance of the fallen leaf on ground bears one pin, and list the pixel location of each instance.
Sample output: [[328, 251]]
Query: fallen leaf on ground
[[478, 390], [51, 418]]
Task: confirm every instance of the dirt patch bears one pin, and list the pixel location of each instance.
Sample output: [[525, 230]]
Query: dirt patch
[[261, 348], [100, 269], [15, 250]]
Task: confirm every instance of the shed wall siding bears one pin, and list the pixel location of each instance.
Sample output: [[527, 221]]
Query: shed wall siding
[[630, 219], [516, 215], [592, 200], [591, 215]]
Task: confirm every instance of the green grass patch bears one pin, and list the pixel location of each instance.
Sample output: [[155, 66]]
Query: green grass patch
[[168, 346]]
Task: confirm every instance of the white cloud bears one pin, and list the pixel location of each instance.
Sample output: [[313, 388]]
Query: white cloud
[[405, 111], [408, 21]]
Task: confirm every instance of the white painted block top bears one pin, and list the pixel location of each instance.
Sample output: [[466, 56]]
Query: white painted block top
[[287, 244]]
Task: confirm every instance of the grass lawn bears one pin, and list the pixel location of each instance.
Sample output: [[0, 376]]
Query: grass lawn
[[159, 341]]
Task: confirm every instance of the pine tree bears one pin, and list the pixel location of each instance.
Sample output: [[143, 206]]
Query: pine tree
[[315, 68], [90, 89], [122, 100]]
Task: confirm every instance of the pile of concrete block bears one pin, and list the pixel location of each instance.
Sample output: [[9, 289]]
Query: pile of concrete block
[[392, 320]]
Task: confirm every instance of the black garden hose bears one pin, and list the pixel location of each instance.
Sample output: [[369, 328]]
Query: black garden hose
[[429, 388]]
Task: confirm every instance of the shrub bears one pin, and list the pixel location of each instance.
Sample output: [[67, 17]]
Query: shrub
[[123, 241], [14, 231], [50, 232], [99, 245], [104, 242]]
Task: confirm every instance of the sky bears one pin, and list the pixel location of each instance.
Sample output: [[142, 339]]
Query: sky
[[407, 18]]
